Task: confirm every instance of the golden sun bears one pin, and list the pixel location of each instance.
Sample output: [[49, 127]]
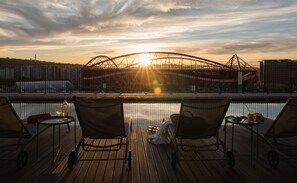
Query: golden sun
[[144, 60]]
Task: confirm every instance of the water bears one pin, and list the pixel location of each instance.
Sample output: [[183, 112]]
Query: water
[[152, 113]]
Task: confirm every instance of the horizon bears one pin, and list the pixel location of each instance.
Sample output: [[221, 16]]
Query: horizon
[[75, 32]]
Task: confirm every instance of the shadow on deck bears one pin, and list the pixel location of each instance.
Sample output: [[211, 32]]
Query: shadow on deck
[[150, 163]]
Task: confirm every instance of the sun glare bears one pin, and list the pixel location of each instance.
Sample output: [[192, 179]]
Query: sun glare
[[145, 60]]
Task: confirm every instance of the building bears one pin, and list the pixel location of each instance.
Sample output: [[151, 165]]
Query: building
[[16, 71], [278, 75]]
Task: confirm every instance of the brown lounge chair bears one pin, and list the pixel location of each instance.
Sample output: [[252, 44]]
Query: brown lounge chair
[[15, 133], [101, 119], [282, 128], [199, 119]]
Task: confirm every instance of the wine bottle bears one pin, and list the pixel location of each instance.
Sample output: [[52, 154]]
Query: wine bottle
[[65, 107]]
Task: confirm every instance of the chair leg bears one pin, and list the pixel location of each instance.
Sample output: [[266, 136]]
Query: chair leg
[[130, 160], [73, 155], [68, 127], [273, 158], [22, 159], [126, 152], [71, 159], [174, 154], [230, 159]]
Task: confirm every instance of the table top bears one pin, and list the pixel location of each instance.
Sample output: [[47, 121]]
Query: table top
[[56, 120], [241, 120]]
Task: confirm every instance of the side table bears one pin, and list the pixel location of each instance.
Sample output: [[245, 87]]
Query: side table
[[57, 121], [245, 123]]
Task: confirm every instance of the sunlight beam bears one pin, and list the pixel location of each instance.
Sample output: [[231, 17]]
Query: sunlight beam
[[145, 60]]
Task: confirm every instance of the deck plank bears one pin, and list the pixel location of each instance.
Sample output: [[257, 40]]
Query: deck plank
[[111, 166], [142, 156], [135, 177], [100, 174], [84, 169], [150, 158]]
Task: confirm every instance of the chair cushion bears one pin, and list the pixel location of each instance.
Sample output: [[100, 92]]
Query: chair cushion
[[34, 118]]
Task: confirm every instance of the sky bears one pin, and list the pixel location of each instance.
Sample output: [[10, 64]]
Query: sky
[[75, 31]]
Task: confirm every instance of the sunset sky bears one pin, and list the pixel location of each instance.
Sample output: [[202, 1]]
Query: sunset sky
[[74, 31]]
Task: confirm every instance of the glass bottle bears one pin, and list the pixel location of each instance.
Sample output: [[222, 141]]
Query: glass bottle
[[65, 107]]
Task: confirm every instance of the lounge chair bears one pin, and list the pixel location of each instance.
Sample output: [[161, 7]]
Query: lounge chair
[[16, 133], [101, 119], [282, 128], [198, 119]]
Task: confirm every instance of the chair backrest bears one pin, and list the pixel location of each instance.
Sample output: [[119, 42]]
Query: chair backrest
[[11, 125], [285, 124], [201, 118], [100, 118]]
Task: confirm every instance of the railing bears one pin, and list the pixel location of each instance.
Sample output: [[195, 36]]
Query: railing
[[150, 108]]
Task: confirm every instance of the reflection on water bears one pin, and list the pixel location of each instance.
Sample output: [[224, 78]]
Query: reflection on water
[[152, 113]]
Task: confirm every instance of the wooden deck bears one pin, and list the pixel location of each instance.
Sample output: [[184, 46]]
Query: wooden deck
[[150, 163]]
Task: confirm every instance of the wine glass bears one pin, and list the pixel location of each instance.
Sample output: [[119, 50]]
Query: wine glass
[[58, 110]]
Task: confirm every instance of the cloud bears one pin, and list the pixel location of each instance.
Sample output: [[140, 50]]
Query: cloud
[[253, 46], [244, 25]]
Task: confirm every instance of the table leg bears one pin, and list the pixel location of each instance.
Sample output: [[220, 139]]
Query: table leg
[[225, 146], [53, 144], [37, 140], [59, 137], [257, 141], [232, 137], [74, 134], [252, 145]]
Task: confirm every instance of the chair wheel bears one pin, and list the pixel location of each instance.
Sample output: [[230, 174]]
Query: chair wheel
[[173, 160], [230, 159], [273, 158], [22, 159], [71, 160], [129, 159]]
